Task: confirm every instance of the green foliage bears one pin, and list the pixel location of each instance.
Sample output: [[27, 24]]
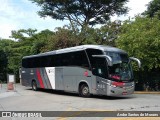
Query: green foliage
[[90, 36], [3, 65], [141, 39], [81, 12], [153, 9], [27, 43], [105, 35], [22, 34], [4, 58], [109, 32], [62, 38], [40, 41]]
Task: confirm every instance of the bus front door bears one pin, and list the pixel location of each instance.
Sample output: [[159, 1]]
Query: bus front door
[[101, 86]]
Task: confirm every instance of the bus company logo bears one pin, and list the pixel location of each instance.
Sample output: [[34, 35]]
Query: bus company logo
[[50, 70], [85, 73]]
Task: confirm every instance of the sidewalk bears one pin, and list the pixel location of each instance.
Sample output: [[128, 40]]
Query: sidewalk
[[6, 93], [4, 87]]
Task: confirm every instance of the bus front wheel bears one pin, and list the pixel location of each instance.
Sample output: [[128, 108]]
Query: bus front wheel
[[34, 85], [84, 90]]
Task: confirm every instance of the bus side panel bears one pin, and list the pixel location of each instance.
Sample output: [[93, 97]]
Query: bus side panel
[[94, 85], [73, 76], [59, 82], [49, 77], [44, 77], [59, 78], [38, 74], [25, 77], [69, 76], [28, 74]]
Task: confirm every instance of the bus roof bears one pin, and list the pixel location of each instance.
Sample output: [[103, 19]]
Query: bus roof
[[78, 48]]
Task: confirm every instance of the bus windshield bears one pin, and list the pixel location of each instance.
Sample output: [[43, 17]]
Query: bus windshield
[[121, 69]]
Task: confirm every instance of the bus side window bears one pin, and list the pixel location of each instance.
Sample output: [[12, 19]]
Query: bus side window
[[77, 58], [99, 67], [80, 59], [24, 63]]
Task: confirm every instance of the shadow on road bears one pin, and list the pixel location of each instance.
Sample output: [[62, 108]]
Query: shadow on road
[[58, 92]]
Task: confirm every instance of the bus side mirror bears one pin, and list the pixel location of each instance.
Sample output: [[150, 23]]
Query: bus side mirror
[[108, 58], [137, 60]]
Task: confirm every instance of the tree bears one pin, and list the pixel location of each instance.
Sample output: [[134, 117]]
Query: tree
[[40, 40], [3, 65], [105, 35], [62, 38], [27, 42], [22, 34], [141, 39], [4, 52], [153, 8], [109, 32], [81, 13]]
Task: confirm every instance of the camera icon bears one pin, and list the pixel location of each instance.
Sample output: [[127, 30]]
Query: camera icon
[[6, 114]]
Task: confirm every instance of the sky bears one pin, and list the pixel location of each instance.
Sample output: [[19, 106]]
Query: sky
[[22, 14]]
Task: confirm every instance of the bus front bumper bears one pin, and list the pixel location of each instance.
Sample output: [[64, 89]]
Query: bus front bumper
[[120, 91]]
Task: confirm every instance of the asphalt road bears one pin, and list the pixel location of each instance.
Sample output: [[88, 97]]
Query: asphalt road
[[24, 99]]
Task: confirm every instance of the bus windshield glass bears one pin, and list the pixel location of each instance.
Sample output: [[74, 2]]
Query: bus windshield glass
[[121, 69]]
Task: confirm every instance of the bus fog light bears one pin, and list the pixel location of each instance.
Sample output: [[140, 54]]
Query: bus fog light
[[112, 91]]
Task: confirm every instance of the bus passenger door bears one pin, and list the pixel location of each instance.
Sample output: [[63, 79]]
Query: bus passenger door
[[100, 71]]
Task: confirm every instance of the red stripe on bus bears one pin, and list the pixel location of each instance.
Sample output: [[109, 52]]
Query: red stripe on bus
[[40, 79]]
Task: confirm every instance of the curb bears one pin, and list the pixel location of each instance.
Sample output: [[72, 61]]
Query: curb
[[146, 92]]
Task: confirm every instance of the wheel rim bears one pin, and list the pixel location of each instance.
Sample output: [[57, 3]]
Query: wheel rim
[[34, 85], [85, 91]]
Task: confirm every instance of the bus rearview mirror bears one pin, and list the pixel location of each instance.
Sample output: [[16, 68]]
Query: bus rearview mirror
[[108, 58], [137, 60]]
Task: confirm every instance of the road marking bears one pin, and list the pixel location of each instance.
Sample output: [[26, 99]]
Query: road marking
[[95, 110], [78, 113], [134, 118], [64, 114]]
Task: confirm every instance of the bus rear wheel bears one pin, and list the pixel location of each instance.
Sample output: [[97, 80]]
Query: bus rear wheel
[[84, 90], [34, 85]]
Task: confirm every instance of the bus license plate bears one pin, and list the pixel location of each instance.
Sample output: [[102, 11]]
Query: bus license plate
[[124, 93]]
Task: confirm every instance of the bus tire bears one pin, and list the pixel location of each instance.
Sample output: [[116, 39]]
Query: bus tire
[[34, 85], [84, 90]]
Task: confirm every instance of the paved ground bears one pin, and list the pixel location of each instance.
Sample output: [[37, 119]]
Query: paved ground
[[24, 99]]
